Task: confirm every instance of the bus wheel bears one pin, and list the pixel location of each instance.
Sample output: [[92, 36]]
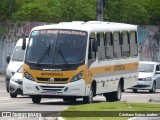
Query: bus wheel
[[89, 98], [114, 96], [72, 99], [66, 99], [36, 98]]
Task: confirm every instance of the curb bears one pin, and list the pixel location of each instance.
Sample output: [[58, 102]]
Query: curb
[[144, 118], [155, 100], [51, 118]]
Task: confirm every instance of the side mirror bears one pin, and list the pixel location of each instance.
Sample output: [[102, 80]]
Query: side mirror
[[24, 44], [94, 45], [8, 59]]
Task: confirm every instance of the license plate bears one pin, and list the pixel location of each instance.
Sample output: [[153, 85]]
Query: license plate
[[51, 92]]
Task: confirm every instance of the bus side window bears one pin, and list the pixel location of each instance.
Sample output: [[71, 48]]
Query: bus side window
[[133, 43], [117, 46], [108, 45], [125, 45], [101, 48]]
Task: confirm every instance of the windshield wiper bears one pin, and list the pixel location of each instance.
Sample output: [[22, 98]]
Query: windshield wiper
[[62, 55], [43, 55], [65, 60]]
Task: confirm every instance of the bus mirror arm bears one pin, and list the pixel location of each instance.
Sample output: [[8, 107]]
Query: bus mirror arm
[[8, 59], [24, 44], [94, 45]]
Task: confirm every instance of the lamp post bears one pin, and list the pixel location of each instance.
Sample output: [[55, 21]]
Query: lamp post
[[100, 10], [100, 5]]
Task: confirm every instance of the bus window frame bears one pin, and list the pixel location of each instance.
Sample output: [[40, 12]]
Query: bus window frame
[[136, 43], [115, 45], [128, 44]]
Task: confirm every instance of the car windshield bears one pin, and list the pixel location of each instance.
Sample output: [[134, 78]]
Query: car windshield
[[18, 54], [146, 67], [57, 47]]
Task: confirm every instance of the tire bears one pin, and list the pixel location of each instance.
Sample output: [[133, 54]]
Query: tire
[[7, 89], [88, 99], [135, 90], [66, 99], [36, 98], [114, 96], [72, 99], [153, 90], [13, 95]]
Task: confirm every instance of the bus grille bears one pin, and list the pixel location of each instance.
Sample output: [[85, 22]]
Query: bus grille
[[55, 79]]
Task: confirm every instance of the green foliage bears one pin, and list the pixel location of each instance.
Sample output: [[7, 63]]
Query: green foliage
[[57, 10], [127, 11], [7, 7]]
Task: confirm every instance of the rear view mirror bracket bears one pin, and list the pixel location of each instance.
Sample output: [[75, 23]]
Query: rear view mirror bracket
[[8, 59], [24, 44]]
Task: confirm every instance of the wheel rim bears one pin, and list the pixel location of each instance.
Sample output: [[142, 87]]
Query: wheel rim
[[90, 95], [119, 93], [154, 87]]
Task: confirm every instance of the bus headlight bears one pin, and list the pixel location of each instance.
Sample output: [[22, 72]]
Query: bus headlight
[[77, 77], [28, 76]]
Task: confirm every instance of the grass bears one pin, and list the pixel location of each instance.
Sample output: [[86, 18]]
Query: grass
[[101, 111]]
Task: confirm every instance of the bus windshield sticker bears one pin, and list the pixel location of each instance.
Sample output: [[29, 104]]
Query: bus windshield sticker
[[73, 32], [49, 32]]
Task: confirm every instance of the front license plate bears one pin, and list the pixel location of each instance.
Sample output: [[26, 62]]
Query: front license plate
[[51, 92]]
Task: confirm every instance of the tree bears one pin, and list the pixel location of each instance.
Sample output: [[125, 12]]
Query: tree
[[7, 7], [128, 11], [56, 10]]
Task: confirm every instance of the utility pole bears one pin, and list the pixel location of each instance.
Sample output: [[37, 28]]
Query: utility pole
[[100, 10]]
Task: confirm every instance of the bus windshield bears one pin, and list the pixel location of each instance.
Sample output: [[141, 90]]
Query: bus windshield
[[56, 47]]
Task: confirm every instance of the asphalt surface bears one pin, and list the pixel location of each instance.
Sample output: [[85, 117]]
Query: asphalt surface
[[54, 106]]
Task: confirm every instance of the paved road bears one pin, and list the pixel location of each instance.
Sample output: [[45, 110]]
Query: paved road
[[24, 103]]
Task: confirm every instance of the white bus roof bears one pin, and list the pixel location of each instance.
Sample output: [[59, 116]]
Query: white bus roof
[[91, 26]]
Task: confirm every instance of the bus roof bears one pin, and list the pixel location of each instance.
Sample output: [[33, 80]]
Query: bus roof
[[91, 26]]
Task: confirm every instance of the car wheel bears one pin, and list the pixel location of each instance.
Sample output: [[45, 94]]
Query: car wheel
[[7, 89], [13, 95], [135, 90], [153, 90]]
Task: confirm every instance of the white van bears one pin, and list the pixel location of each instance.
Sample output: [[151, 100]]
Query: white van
[[14, 62]]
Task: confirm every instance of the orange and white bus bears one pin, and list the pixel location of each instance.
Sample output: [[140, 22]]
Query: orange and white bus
[[72, 60]]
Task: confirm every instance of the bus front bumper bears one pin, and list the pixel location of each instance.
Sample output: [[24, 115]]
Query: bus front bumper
[[76, 88]]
